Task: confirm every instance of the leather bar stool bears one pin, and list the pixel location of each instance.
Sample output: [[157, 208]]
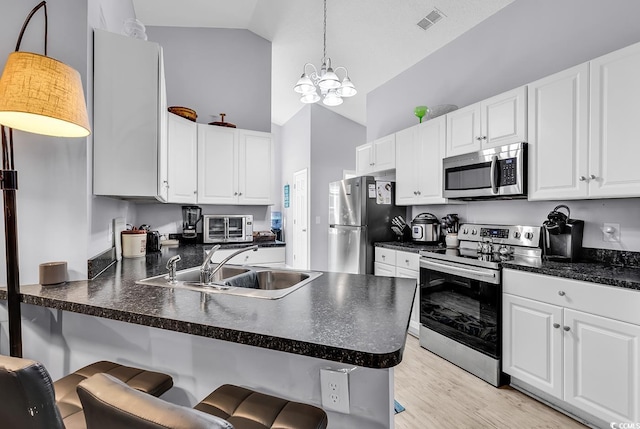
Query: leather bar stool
[[29, 399], [109, 403]]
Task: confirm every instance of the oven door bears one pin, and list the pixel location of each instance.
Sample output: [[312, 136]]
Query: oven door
[[462, 303]]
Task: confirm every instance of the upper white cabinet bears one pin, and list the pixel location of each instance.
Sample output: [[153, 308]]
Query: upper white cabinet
[[496, 121], [614, 125], [575, 341], [379, 155], [582, 127], [559, 135], [234, 166], [182, 139], [130, 111], [419, 153]]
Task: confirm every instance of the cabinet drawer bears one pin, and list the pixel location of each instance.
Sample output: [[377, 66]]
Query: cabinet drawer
[[385, 270], [603, 300], [408, 260], [386, 256]]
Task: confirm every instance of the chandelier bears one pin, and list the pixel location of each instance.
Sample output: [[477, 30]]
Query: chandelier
[[325, 84]]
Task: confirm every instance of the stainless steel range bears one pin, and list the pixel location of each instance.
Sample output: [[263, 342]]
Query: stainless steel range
[[461, 294]]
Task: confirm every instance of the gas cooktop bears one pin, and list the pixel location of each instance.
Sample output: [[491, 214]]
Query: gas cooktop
[[485, 245]]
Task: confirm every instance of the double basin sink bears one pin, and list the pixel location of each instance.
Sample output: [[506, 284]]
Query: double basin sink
[[254, 282]]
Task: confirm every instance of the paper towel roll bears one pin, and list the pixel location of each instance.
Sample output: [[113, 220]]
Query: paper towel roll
[[53, 273]]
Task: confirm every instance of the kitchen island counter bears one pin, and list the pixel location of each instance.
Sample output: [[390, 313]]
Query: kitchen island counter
[[354, 319]]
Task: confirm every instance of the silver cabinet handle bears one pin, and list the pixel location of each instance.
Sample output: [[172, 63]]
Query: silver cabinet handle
[[239, 193], [556, 325], [383, 256], [478, 138], [561, 293], [419, 192], [593, 176], [195, 192], [235, 194], [582, 178], [567, 328], [484, 137]]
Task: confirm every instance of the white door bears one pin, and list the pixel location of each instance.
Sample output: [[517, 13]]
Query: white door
[[602, 372], [255, 161], [300, 220], [558, 135], [463, 130], [217, 165], [431, 148], [532, 343], [613, 158], [364, 159], [384, 153], [407, 166]]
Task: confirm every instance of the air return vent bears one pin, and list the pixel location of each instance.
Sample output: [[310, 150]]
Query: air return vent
[[434, 16]]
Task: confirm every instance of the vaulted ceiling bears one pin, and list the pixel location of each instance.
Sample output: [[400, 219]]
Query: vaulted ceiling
[[374, 39]]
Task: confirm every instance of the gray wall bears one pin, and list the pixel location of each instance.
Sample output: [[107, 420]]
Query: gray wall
[[525, 41], [214, 71], [333, 146]]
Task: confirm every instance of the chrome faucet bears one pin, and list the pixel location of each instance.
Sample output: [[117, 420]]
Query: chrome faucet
[[171, 266], [206, 273]]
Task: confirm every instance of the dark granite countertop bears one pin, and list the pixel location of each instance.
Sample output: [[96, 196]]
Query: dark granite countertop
[[407, 246], [355, 319]]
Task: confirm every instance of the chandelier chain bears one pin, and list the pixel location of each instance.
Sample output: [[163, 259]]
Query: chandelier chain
[[324, 52]]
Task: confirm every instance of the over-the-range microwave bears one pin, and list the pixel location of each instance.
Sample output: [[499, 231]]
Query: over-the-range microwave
[[227, 228], [499, 172]]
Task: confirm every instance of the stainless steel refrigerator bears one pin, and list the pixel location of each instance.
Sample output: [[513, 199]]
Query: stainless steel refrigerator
[[360, 213]]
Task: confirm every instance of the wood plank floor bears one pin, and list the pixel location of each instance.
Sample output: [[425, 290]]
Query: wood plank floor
[[438, 394]]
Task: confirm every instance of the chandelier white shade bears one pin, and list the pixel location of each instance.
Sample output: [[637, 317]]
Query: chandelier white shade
[[324, 84]]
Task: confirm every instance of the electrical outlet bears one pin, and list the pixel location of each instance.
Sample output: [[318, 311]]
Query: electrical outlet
[[611, 232], [334, 386]]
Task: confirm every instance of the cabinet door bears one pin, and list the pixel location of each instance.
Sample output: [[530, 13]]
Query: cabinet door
[[414, 323], [602, 366], [255, 168], [163, 144], [432, 140], [126, 111], [463, 130], [364, 159], [613, 157], [182, 160], [558, 135], [384, 153], [504, 118], [217, 165], [532, 343], [386, 270], [408, 157]]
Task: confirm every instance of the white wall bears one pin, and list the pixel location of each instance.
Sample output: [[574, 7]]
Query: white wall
[[214, 70], [333, 149], [52, 172], [525, 41]]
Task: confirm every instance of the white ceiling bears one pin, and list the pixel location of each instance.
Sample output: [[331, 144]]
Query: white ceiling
[[374, 39]]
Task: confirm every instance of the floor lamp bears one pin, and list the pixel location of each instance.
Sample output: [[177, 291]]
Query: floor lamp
[[39, 95]]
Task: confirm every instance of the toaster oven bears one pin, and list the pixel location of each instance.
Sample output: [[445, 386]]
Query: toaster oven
[[227, 228]]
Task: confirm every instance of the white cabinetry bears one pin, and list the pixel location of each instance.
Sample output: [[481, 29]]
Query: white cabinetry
[[234, 166], [379, 155], [583, 122], [496, 121], [419, 153], [182, 139], [262, 256], [130, 114], [576, 341], [396, 263]]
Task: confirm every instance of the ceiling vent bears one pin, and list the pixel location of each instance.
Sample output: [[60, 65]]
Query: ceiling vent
[[434, 16]]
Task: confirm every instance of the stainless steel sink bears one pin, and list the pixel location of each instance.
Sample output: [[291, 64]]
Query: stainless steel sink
[[239, 280]]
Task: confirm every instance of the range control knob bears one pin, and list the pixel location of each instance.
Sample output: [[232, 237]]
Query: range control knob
[[516, 234], [474, 231], [528, 235]]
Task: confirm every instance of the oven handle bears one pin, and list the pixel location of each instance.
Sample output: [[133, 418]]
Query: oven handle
[[494, 176], [489, 276]]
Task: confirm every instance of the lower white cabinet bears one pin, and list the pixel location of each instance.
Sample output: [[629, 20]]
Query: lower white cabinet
[[262, 256], [396, 263], [576, 341]]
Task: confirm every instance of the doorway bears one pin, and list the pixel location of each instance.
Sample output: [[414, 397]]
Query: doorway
[[301, 220]]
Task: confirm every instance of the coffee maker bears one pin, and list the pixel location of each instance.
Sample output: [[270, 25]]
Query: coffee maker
[[191, 215], [561, 236]]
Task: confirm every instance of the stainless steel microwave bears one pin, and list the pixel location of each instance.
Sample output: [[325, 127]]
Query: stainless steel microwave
[[227, 228], [499, 172]]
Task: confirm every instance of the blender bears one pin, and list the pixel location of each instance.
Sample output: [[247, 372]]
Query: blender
[[190, 218]]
